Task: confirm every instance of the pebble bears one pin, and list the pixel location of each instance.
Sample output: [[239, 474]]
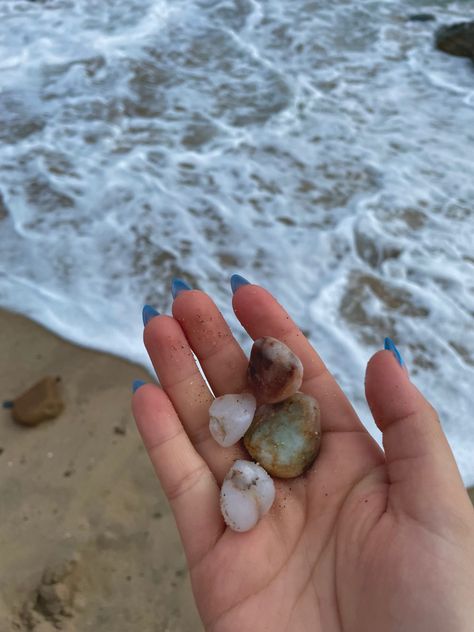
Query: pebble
[[39, 403], [274, 371], [230, 417], [247, 494], [285, 438]]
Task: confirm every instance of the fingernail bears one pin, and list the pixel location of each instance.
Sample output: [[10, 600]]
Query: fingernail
[[237, 281], [178, 286], [136, 385], [148, 313], [389, 345]]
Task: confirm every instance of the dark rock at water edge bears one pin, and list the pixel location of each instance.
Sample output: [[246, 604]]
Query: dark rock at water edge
[[421, 17], [3, 208], [456, 39]]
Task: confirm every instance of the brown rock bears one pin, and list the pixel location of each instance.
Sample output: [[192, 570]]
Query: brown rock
[[274, 371], [39, 403]]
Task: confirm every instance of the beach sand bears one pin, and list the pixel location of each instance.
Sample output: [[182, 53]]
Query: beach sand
[[87, 541]]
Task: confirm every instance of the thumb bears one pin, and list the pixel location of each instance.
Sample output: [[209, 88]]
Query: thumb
[[424, 479]]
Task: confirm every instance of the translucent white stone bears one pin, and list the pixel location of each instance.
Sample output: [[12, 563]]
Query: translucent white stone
[[230, 417], [247, 494]]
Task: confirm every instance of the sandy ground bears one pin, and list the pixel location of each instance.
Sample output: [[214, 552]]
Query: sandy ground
[[87, 541]]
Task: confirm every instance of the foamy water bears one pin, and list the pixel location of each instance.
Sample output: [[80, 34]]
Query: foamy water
[[322, 149]]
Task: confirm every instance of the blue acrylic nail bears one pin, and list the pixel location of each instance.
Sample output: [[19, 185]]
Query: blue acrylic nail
[[178, 286], [148, 313], [389, 345], [237, 281], [136, 385]]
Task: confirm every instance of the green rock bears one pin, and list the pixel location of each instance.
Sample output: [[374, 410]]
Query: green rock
[[284, 438]]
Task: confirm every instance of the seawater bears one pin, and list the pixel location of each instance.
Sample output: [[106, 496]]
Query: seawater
[[321, 149]]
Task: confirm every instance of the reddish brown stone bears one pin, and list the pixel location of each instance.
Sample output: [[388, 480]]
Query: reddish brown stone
[[274, 371]]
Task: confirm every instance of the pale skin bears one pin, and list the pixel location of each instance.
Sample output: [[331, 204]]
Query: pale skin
[[367, 540]]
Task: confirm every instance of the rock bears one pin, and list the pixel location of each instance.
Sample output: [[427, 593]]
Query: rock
[[247, 494], [230, 416], [274, 371], [421, 17], [39, 403], [285, 438], [456, 39], [3, 208]]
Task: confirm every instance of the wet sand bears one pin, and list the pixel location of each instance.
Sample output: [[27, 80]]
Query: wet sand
[[87, 541]]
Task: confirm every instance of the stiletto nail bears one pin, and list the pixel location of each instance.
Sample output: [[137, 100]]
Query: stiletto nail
[[389, 345], [178, 286], [148, 313], [237, 281], [136, 385]]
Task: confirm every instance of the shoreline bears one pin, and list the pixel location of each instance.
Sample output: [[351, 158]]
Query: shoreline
[[87, 540]]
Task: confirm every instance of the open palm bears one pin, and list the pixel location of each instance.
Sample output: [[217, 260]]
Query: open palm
[[365, 540]]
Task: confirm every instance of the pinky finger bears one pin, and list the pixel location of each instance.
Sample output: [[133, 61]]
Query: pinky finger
[[185, 477]]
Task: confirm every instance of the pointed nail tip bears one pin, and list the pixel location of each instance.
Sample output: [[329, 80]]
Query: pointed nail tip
[[148, 313], [178, 286], [389, 345], [236, 281], [136, 385]]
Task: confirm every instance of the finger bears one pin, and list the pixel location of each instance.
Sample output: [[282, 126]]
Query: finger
[[185, 386], [261, 315], [186, 480], [421, 467], [219, 354]]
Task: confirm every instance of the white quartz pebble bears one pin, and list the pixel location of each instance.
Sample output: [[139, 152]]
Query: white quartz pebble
[[230, 417], [247, 494]]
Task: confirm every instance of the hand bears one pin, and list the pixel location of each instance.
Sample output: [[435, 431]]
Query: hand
[[365, 540]]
